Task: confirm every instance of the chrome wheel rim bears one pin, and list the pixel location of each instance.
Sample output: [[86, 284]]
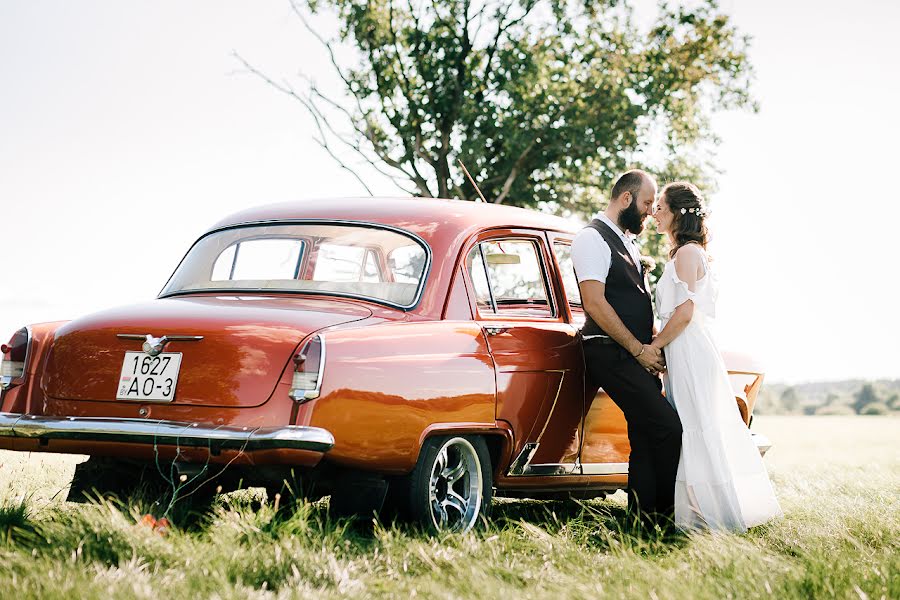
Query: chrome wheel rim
[[454, 490]]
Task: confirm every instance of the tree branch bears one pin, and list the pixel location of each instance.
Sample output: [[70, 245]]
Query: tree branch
[[513, 173], [319, 118]]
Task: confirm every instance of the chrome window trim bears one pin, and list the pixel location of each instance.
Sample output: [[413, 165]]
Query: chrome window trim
[[487, 278], [426, 269]]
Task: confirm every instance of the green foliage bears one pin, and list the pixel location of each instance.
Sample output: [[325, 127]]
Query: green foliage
[[834, 409], [790, 401], [865, 396], [544, 101], [15, 521], [830, 397], [893, 402]]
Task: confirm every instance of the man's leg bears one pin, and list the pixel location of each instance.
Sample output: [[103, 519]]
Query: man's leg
[[642, 491], [653, 424]]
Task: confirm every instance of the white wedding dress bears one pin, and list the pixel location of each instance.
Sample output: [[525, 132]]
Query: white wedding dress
[[722, 483]]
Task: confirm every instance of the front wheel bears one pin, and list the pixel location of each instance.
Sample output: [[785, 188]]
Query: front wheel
[[450, 486]]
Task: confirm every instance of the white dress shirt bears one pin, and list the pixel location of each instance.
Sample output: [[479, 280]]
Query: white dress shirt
[[591, 255]]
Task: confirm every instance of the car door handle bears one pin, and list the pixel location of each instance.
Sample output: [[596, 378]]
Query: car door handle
[[495, 329]]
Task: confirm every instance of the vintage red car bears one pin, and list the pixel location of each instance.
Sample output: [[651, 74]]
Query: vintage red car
[[416, 354]]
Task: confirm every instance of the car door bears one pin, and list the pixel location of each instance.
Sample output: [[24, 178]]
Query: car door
[[604, 447], [536, 352]]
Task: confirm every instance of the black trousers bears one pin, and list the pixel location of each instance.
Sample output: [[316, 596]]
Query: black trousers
[[654, 429]]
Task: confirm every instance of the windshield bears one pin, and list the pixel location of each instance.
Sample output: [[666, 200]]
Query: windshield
[[363, 261]]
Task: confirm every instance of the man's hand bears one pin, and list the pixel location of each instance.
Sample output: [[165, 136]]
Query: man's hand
[[651, 358]]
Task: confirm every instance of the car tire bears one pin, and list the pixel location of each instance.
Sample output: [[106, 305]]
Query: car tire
[[450, 487]]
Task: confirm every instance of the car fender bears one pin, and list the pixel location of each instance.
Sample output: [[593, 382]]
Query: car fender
[[386, 387]]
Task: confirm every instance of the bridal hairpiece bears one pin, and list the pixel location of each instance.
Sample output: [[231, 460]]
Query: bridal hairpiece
[[700, 211]]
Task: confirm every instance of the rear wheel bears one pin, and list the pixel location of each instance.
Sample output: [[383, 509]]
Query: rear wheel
[[450, 486]]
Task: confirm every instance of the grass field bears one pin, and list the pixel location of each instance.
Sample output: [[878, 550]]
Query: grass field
[[838, 479]]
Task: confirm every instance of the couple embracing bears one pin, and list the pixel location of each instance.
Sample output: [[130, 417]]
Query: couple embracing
[[692, 460]]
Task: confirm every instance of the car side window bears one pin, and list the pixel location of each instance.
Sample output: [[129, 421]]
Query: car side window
[[563, 252], [508, 278], [478, 275]]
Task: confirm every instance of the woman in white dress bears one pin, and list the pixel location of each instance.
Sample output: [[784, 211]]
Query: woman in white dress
[[722, 482]]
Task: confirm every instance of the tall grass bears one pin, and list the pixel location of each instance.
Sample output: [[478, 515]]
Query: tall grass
[[840, 538]]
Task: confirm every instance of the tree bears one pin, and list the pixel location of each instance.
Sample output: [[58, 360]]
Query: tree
[[544, 101], [790, 400], [894, 402], [865, 396]]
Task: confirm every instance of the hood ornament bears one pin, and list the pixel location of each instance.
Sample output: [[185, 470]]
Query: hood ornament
[[154, 346]]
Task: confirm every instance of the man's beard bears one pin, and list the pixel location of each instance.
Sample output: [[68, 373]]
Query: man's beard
[[631, 219]]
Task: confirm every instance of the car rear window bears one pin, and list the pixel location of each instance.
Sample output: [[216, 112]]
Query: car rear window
[[363, 261]]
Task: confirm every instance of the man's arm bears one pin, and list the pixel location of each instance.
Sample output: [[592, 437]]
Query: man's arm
[[593, 298]]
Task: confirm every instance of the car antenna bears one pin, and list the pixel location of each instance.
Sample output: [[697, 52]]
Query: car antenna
[[472, 181]]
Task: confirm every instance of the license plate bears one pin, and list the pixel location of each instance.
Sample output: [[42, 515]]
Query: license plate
[[146, 377]]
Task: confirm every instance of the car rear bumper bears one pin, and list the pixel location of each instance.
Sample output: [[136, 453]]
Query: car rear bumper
[[164, 433]]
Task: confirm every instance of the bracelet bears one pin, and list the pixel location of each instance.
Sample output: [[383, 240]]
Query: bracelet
[[639, 353]]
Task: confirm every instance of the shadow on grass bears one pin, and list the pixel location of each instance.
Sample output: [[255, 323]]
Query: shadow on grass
[[105, 528]]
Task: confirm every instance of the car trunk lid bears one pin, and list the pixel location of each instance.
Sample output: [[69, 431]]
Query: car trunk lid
[[247, 342]]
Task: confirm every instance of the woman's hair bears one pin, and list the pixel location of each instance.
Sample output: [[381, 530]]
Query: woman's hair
[[687, 225]]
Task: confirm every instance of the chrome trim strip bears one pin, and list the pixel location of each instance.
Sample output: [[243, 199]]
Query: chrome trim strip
[[521, 462], [551, 469], [575, 468], [763, 444], [520, 466], [562, 377], [166, 433], [171, 338], [604, 468], [426, 269]]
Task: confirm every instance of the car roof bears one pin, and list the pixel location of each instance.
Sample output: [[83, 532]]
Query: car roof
[[419, 215]]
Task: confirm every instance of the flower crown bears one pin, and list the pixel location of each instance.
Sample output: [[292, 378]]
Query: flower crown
[[700, 211]]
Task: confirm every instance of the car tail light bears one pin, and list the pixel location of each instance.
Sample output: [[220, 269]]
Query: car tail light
[[14, 358], [308, 366]]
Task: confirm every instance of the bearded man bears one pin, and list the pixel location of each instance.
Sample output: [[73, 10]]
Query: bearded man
[[617, 334]]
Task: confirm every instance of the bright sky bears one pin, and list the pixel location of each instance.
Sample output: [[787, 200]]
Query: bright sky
[[126, 130]]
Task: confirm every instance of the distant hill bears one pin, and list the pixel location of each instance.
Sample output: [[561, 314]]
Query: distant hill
[[851, 396]]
